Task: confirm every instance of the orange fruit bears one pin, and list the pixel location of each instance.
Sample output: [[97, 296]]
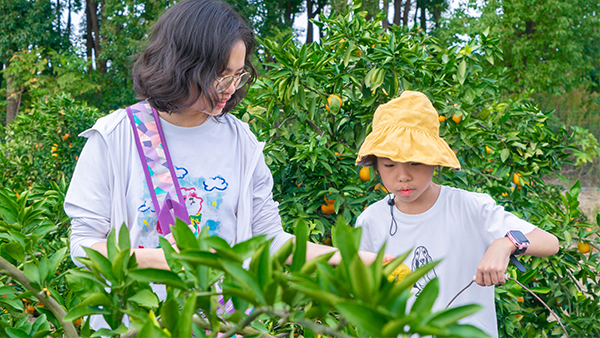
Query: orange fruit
[[518, 316], [488, 150], [399, 273], [516, 179], [65, 136], [77, 322], [365, 174], [327, 209], [330, 100], [520, 299], [29, 310], [442, 118], [583, 247], [504, 194], [357, 53], [456, 119], [327, 241]]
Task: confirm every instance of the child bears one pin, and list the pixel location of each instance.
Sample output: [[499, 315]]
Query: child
[[463, 229]]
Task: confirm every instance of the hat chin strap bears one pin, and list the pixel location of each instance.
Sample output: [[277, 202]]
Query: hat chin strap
[[393, 224]]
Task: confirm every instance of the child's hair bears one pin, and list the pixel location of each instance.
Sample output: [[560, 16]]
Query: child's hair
[[189, 49]]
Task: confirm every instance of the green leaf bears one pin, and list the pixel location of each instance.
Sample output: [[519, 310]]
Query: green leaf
[[96, 299], [55, 260], [427, 297], [111, 245], [101, 264], [169, 313], [16, 333], [462, 72], [361, 280], [469, 331], [199, 257], [145, 298], [169, 251], [450, 316], [246, 280], [282, 254], [365, 318], [395, 327], [315, 293], [81, 311], [301, 232], [246, 248], [158, 276], [184, 326], [124, 241], [504, 154], [184, 237]]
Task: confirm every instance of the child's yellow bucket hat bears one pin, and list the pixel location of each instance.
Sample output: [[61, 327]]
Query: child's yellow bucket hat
[[407, 129]]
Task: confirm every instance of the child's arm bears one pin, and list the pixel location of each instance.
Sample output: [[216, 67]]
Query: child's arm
[[492, 267]]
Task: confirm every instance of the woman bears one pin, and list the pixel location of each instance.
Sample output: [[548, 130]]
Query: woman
[[194, 71]]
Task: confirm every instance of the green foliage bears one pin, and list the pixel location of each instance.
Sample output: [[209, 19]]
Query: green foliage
[[266, 294], [42, 146], [548, 46], [41, 73], [32, 238]]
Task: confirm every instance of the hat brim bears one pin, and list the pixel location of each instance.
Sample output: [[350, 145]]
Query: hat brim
[[406, 145]]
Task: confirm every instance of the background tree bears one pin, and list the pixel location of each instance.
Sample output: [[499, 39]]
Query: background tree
[[25, 24]]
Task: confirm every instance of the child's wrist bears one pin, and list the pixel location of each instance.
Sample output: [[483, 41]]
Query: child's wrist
[[505, 244]]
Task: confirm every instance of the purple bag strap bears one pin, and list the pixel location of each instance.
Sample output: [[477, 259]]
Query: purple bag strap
[[158, 167]]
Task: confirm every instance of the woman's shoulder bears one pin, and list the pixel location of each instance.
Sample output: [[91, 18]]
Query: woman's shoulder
[[240, 127], [106, 125]]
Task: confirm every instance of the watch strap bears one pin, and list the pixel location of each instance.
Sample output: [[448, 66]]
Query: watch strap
[[518, 264]]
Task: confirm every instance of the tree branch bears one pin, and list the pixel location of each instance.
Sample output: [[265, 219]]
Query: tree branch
[[42, 296]]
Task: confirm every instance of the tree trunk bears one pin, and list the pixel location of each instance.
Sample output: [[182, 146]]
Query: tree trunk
[[437, 15], [13, 99], [406, 12], [386, 10], [89, 38], [289, 16], [309, 25], [398, 12], [93, 11], [58, 16], [69, 20]]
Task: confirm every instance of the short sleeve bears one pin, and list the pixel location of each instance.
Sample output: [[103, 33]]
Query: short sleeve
[[498, 221]]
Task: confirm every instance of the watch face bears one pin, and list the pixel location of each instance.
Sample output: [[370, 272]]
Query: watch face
[[518, 236]]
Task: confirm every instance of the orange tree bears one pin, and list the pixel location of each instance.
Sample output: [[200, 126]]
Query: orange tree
[[506, 148]]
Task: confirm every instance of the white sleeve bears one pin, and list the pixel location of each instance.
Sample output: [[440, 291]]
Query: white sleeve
[[88, 200], [366, 240], [265, 214], [499, 221]]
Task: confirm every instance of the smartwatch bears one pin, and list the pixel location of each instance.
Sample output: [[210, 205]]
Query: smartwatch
[[519, 240]]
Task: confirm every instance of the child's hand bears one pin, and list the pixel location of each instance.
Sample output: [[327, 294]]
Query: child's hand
[[492, 267], [368, 257]]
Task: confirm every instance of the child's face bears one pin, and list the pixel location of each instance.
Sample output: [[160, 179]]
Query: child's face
[[410, 182]]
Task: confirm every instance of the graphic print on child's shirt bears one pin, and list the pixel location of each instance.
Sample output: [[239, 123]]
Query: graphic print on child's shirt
[[203, 198], [421, 257]]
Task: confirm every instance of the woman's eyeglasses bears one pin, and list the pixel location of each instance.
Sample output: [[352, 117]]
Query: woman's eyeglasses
[[238, 81]]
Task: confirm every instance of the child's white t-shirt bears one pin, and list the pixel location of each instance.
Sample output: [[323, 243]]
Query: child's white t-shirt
[[457, 229]]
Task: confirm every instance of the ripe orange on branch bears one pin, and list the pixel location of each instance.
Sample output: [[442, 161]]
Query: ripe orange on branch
[[365, 174], [583, 247], [456, 119], [328, 207]]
